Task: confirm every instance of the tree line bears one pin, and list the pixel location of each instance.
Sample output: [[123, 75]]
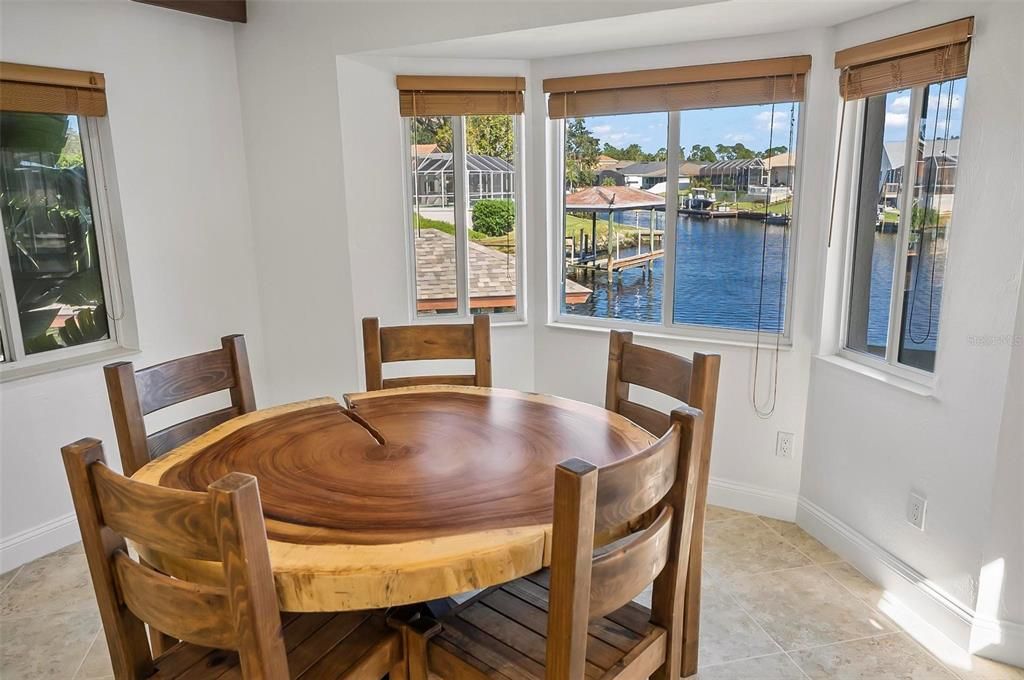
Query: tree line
[[583, 149]]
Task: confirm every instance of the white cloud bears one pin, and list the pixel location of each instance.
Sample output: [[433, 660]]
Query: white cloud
[[901, 103], [601, 130], [735, 137], [765, 120], [896, 119], [943, 101]]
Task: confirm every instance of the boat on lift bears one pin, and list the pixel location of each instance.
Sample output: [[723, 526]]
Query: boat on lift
[[699, 201]]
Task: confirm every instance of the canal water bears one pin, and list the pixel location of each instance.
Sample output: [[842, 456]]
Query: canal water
[[719, 274]]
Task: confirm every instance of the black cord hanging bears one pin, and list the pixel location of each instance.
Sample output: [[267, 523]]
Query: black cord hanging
[[767, 412], [929, 198]]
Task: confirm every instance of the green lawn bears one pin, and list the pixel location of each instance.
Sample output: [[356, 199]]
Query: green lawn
[[573, 224], [446, 227]]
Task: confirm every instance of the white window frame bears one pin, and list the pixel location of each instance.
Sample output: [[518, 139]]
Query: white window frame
[[890, 362], [461, 195], [108, 225], [668, 327]]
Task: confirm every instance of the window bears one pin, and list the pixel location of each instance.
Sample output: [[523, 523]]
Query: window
[[902, 220], [910, 93], [697, 237], [463, 192], [61, 277], [614, 215]]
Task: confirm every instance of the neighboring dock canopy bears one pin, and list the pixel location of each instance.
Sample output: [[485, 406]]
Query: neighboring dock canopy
[[608, 198]]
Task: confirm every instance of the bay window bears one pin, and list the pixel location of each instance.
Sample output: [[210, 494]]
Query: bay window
[[907, 145], [678, 194], [463, 193]]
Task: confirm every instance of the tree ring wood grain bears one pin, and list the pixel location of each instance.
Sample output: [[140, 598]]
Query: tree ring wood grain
[[407, 495]]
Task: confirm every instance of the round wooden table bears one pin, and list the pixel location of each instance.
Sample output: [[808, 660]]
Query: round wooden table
[[409, 495]]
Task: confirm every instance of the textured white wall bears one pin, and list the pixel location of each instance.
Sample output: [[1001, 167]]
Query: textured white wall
[[870, 436], [174, 118]]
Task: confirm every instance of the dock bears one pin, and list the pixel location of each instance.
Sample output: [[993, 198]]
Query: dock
[[609, 259], [696, 212]]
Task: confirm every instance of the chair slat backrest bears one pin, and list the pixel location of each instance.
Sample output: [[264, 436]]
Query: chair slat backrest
[[694, 382], [135, 394], [586, 584], [427, 342], [224, 524]]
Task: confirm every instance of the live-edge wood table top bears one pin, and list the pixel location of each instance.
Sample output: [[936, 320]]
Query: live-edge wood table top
[[407, 495]]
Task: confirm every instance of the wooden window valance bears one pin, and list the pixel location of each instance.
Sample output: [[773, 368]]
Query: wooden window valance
[[738, 83], [917, 58], [460, 95], [40, 89]]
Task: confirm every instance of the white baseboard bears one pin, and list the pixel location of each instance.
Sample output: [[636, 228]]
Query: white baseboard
[[749, 498], [27, 545], [941, 623]]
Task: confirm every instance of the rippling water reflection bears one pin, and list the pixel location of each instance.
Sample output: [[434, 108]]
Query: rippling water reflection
[[718, 275]]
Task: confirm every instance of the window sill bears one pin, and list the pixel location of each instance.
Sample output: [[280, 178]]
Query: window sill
[[689, 334], [920, 389], [497, 320], [31, 368]]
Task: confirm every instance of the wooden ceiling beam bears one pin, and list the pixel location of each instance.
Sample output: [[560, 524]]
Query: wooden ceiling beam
[[228, 10]]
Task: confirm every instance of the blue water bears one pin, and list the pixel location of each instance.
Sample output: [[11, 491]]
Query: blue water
[[718, 281]]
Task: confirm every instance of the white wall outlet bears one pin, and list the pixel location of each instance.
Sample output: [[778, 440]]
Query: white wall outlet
[[784, 445], [917, 505]]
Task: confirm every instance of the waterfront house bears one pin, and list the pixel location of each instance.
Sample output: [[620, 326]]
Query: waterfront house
[[935, 174], [488, 177]]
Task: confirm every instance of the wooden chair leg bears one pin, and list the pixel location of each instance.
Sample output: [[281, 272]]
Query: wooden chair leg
[[419, 633], [691, 618], [160, 642]]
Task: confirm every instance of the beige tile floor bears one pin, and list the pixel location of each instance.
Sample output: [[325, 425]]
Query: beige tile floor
[[777, 605]]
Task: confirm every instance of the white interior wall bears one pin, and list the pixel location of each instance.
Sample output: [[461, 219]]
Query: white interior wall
[[868, 434], [174, 112], [375, 206], [307, 188]]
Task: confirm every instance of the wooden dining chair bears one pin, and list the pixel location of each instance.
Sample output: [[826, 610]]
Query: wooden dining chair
[[228, 629], [135, 394], [694, 382], [427, 342], [578, 619]]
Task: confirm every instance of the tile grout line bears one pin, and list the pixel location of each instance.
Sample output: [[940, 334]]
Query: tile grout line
[[87, 650], [793, 545], [767, 634], [899, 629], [867, 603], [820, 567], [750, 616], [17, 572]]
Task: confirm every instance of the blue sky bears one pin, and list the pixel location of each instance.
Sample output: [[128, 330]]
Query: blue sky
[[897, 111], [751, 125]]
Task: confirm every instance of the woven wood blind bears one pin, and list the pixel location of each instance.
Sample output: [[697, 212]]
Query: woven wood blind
[[459, 95], [40, 89], [739, 83], [918, 58]]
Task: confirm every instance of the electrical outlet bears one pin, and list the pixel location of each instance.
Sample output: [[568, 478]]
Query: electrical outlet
[[917, 505], [784, 445]]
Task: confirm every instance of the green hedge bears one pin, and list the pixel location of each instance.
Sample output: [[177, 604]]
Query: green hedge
[[494, 217]]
